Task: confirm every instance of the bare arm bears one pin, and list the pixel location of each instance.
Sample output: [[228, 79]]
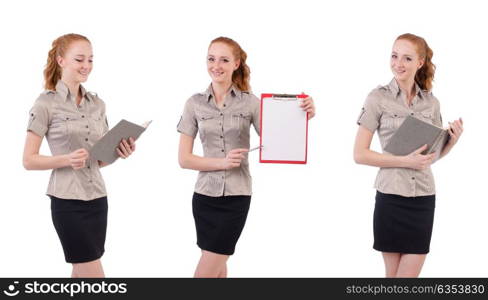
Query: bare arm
[[188, 160], [363, 154], [32, 160]]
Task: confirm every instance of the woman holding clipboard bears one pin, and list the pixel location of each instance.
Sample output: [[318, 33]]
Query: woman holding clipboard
[[405, 198], [222, 115], [72, 120]]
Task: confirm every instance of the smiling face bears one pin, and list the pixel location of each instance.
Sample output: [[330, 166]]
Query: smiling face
[[77, 62], [405, 61], [221, 63]]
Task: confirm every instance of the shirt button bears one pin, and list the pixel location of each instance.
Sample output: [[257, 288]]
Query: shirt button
[[222, 150], [82, 116], [224, 105], [221, 137], [86, 126], [86, 139], [88, 167], [411, 114], [413, 178], [221, 114]]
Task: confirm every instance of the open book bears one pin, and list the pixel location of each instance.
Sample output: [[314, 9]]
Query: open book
[[413, 134], [105, 149]]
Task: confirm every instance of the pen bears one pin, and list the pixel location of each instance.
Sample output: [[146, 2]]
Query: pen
[[255, 148]]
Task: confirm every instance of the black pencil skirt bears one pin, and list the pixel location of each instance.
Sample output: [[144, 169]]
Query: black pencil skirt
[[219, 221], [403, 224], [81, 227]]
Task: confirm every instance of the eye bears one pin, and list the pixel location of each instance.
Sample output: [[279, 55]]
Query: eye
[[78, 60], [226, 60], [211, 59], [393, 56], [409, 59]]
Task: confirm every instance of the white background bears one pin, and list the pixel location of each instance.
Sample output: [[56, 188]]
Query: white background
[[305, 221]]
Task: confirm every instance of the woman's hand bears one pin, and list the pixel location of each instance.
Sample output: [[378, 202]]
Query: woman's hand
[[418, 161], [77, 159], [126, 148], [309, 106], [455, 132], [233, 158]]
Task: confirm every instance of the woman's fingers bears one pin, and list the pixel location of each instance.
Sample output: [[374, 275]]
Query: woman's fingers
[[121, 154], [79, 155], [458, 127], [78, 161], [237, 153], [125, 147], [238, 150], [77, 165], [306, 101], [419, 150], [236, 156], [455, 130], [308, 106], [132, 143], [78, 158]]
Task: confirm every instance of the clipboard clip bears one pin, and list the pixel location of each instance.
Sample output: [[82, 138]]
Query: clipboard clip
[[285, 97]]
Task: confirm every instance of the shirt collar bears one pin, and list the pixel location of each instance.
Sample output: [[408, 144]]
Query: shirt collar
[[234, 92], [393, 85], [63, 91]]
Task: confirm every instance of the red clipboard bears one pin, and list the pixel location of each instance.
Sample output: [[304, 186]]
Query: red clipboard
[[265, 97]]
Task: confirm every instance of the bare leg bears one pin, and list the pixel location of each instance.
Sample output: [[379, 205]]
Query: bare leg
[[392, 261], [91, 269], [410, 265], [211, 265], [223, 272]]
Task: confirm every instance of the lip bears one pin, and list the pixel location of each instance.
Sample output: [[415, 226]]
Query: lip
[[217, 74]]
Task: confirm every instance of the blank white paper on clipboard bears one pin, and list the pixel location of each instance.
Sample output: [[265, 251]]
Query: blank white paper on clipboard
[[283, 129]]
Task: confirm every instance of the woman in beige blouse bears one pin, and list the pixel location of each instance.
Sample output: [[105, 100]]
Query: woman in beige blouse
[[72, 120], [405, 199], [222, 115]]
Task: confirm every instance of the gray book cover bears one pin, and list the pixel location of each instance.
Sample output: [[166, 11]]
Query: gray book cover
[[413, 134], [105, 149]]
